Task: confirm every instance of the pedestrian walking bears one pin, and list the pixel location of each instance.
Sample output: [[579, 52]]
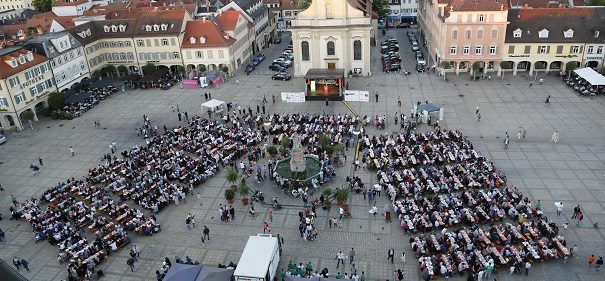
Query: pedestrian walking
[[327, 102], [257, 109], [17, 263], [506, 140], [130, 262], [179, 115], [527, 267], [206, 234], [547, 101], [205, 96], [273, 97], [531, 83], [376, 97], [40, 161], [559, 207], [340, 258], [591, 260], [477, 110], [576, 210], [264, 99], [351, 256], [71, 150], [270, 215], [391, 254], [263, 109], [599, 263], [399, 101], [266, 227], [136, 250], [402, 258], [186, 116], [14, 199], [478, 117], [519, 135], [524, 134], [209, 97], [580, 218], [555, 137]]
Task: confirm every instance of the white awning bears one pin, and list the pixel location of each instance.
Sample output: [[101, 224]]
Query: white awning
[[214, 105], [592, 77]]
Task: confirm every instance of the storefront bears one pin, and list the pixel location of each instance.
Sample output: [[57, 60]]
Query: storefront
[[324, 83]]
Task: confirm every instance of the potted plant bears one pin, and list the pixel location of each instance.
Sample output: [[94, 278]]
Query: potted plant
[[272, 150], [327, 193], [244, 191], [232, 178], [341, 195], [229, 195]]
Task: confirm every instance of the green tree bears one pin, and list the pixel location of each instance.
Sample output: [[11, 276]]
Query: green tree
[[446, 65], [56, 100], [225, 69], [506, 64], [31, 31], [202, 68], [148, 68], [123, 69], [304, 4], [596, 3], [109, 69], [27, 115], [381, 7], [571, 65], [42, 5], [180, 69]]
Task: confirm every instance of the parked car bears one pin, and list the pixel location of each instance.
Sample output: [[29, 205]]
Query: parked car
[[277, 67], [420, 67], [287, 56], [392, 67], [250, 68], [421, 60], [2, 138], [277, 40], [390, 25], [415, 46], [281, 76], [403, 25], [261, 57], [419, 54]]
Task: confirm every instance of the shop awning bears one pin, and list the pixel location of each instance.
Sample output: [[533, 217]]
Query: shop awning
[[324, 73], [592, 77]]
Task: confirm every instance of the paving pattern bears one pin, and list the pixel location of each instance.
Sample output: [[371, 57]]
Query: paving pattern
[[572, 171]]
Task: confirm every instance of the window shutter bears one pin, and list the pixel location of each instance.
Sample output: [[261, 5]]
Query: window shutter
[[581, 47], [548, 49]]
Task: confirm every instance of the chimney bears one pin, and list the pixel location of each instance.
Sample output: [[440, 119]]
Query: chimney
[[203, 19], [525, 6]]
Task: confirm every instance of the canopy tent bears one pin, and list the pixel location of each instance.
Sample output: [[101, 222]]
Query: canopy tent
[[214, 274], [592, 77], [188, 272], [214, 105], [429, 107], [182, 272]]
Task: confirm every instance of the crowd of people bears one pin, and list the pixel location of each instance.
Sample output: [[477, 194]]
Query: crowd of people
[[436, 181]]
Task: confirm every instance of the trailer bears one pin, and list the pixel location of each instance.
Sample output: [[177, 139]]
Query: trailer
[[259, 259]]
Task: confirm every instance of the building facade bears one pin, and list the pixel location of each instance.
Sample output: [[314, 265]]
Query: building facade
[[459, 34], [550, 39], [403, 11], [333, 34], [25, 82], [258, 13], [9, 5], [66, 55]]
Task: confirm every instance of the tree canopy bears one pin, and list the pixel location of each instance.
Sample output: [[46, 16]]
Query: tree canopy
[[381, 7], [42, 5], [596, 3]]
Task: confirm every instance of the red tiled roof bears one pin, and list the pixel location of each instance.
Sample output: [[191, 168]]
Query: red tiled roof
[[474, 5], [227, 20], [210, 30], [285, 4], [6, 70], [60, 3]]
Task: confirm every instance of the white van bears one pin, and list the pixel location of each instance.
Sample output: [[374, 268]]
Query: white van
[[259, 259], [203, 82]]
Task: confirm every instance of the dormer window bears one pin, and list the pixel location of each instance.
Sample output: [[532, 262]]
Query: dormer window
[[106, 28], [543, 33], [88, 33], [30, 56], [148, 27], [21, 59], [114, 28], [14, 62], [568, 33], [156, 27], [122, 28], [202, 40], [517, 33], [164, 27], [596, 34], [192, 40]]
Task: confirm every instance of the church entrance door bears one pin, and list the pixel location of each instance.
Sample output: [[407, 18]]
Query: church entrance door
[[331, 65]]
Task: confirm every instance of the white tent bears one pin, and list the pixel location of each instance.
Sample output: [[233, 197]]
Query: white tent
[[592, 77], [213, 105]]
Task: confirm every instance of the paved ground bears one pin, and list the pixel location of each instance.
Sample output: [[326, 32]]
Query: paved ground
[[572, 171]]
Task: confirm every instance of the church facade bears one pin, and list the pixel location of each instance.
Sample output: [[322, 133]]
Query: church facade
[[333, 34]]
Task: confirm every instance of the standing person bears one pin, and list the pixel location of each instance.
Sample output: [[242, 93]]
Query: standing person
[[257, 109], [273, 97], [270, 215], [136, 250], [186, 116], [506, 140], [40, 161], [209, 97], [130, 262], [263, 109], [206, 233], [376, 95], [547, 101], [476, 110], [399, 101], [266, 227], [524, 133], [71, 150], [591, 260], [179, 115], [519, 135], [351, 255], [205, 96], [527, 267], [478, 117], [580, 218], [402, 258], [264, 99], [17, 263], [599, 263], [391, 254], [340, 258], [576, 210], [327, 102], [14, 200], [559, 206]]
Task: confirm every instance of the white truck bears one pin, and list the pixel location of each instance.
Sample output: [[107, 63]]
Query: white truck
[[259, 260]]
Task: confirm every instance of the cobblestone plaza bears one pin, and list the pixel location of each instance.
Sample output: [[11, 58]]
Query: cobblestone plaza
[[571, 171]]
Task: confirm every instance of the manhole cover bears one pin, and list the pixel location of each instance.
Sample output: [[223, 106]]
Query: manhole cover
[[466, 84], [461, 96], [258, 87], [508, 84]]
